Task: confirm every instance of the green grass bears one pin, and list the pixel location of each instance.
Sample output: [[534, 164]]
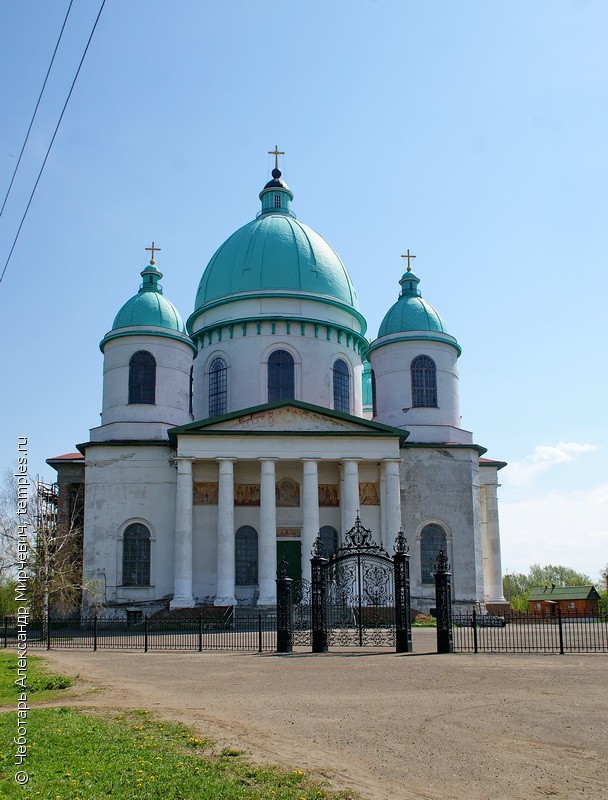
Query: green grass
[[424, 621], [41, 683], [76, 755]]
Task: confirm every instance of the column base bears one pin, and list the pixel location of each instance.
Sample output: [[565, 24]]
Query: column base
[[225, 601], [267, 600], [182, 601]]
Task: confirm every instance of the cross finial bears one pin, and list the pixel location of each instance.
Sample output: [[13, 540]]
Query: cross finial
[[408, 256], [276, 153], [153, 249]]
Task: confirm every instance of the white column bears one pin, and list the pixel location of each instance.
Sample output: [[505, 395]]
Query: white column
[[392, 499], [310, 509], [224, 593], [182, 580], [350, 493], [491, 548], [383, 532], [267, 544]]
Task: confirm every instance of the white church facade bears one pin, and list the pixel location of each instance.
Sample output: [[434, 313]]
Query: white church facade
[[229, 443]]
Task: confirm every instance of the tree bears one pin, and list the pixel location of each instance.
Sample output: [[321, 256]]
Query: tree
[[52, 571]]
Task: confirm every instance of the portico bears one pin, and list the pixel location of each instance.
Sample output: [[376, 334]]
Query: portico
[[286, 484]]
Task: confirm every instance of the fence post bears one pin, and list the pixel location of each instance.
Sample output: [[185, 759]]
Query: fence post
[[561, 631], [318, 594], [403, 619], [443, 602], [260, 640], [48, 630], [145, 633], [95, 633], [475, 643], [200, 633], [5, 631], [284, 610]]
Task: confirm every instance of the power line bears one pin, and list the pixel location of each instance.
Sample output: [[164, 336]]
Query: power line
[[51, 143], [27, 135]]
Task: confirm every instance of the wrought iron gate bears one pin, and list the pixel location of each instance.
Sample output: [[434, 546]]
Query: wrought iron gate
[[360, 596]]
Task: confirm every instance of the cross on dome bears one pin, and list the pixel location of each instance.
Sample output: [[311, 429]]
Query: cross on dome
[[153, 249], [276, 153], [408, 256]]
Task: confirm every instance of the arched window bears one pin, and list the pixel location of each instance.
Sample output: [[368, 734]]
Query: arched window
[[191, 390], [424, 382], [329, 538], [246, 556], [142, 378], [341, 386], [217, 387], [280, 376], [374, 405], [136, 555], [432, 540]]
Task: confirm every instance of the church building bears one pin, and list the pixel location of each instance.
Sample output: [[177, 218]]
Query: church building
[[230, 442]]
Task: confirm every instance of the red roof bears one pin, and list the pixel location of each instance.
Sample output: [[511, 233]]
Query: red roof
[[67, 457], [490, 462]]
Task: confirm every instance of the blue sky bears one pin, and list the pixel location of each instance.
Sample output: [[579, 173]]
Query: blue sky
[[472, 133]]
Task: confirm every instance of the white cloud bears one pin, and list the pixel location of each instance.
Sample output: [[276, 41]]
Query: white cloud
[[543, 457], [568, 528]]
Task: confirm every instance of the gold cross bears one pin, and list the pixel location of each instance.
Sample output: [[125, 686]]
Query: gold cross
[[408, 256], [276, 153], [154, 248]]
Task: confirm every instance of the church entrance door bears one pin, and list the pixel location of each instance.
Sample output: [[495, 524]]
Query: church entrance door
[[292, 553]]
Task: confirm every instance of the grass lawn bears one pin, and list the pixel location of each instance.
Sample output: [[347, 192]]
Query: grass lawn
[[42, 684], [94, 754], [76, 755]]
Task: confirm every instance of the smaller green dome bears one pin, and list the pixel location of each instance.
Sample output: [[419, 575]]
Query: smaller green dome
[[149, 309], [411, 312]]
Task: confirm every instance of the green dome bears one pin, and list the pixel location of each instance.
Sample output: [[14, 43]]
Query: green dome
[[149, 309], [275, 253], [411, 312], [149, 306]]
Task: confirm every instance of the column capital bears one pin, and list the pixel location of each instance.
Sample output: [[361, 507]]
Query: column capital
[[184, 464], [223, 459], [268, 458]]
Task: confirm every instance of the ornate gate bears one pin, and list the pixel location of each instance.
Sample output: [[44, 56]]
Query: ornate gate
[[360, 596]]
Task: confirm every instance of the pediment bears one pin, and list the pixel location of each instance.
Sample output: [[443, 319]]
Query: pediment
[[287, 417]]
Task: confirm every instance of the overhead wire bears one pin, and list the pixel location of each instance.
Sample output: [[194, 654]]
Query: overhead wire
[[65, 105], [27, 135]]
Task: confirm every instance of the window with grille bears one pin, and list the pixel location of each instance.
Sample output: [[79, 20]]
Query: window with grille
[[341, 386], [136, 555], [432, 540], [246, 556], [280, 376], [191, 390], [218, 386], [329, 538], [424, 382], [142, 378], [277, 201]]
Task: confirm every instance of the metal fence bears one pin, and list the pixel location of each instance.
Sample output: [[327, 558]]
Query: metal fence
[[529, 633], [255, 632]]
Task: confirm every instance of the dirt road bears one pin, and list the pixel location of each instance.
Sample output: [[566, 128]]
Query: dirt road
[[479, 727]]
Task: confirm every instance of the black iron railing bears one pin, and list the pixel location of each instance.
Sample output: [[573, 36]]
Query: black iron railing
[[254, 632], [529, 633]]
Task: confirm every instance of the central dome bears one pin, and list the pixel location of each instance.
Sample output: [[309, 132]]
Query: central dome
[[276, 253]]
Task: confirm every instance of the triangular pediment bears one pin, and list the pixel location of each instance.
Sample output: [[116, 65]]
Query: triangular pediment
[[286, 417]]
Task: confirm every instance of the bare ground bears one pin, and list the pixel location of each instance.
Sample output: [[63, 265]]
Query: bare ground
[[482, 727]]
